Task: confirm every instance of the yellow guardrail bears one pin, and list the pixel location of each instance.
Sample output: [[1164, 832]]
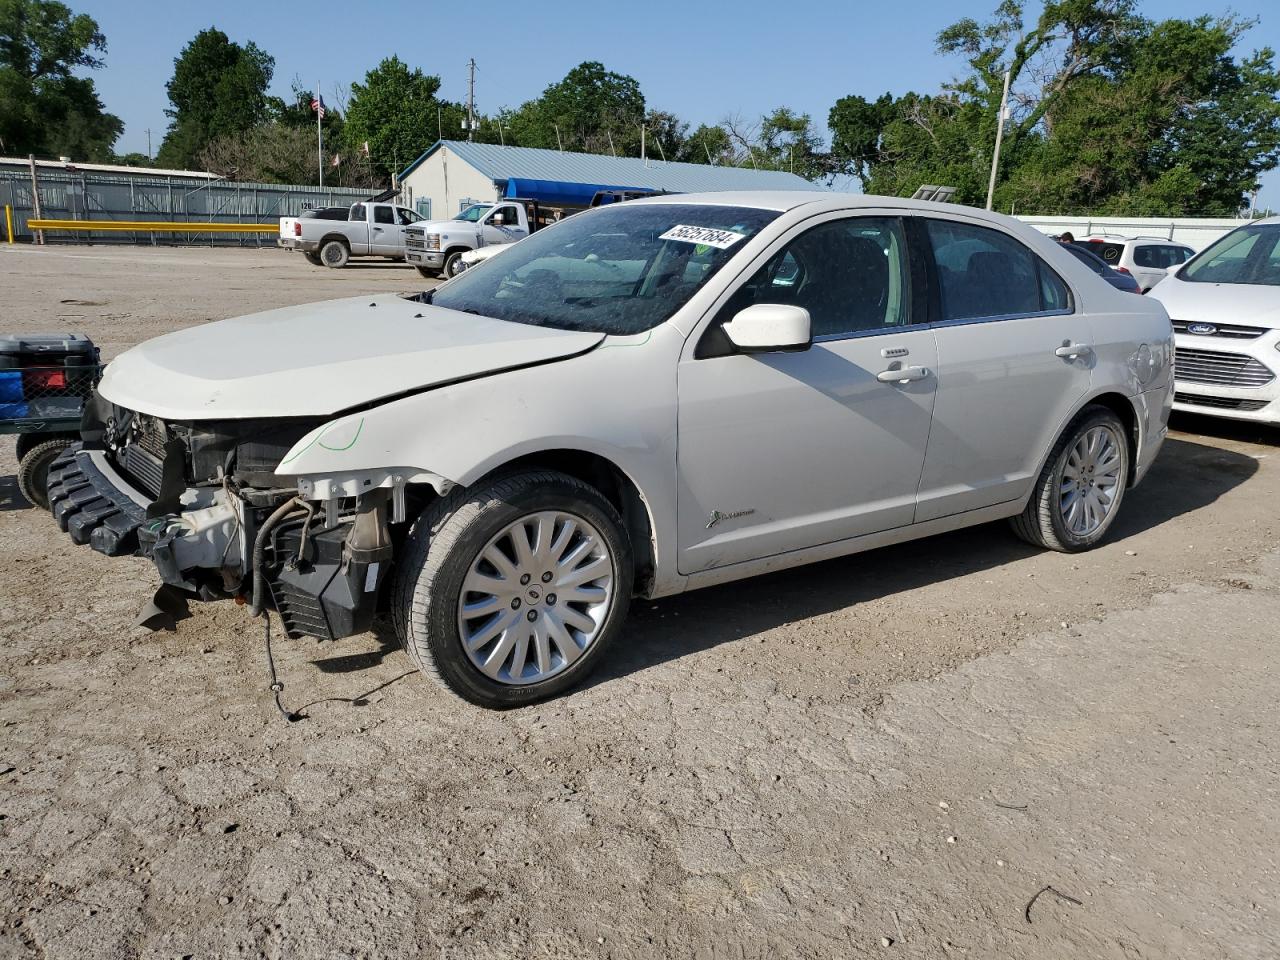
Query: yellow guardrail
[[152, 226]]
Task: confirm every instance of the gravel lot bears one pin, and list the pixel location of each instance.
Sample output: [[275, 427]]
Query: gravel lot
[[886, 755]]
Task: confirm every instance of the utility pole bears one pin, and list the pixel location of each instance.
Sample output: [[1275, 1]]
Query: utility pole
[[35, 197], [471, 99], [642, 143], [319, 140], [148, 143], [995, 157]]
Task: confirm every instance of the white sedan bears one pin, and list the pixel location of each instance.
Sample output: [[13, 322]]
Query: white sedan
[[643, 399], [1225, 305]]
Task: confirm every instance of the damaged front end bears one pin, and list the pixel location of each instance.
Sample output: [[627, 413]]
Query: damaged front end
[[202, 501]]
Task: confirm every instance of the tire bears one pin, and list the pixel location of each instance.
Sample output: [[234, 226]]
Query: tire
[[1058, 517], [428, 273], [313, 258], [442, 555], [451, 265], [33, 470], [334, 253]]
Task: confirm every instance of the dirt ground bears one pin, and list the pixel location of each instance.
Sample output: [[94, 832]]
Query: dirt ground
[[887, 755]]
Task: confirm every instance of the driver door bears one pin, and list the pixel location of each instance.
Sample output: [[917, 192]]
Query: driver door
[[508, 231], [783, 451]]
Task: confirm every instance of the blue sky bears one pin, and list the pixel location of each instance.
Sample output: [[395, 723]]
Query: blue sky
[[698, 60]]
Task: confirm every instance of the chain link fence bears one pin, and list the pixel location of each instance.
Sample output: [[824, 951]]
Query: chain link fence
[[86, 195]]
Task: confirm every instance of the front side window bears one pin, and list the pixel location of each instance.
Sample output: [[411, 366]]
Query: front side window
[[851, 275], [619, 269], [383, 215], [405, 216], [1246, 255], [985, 273]]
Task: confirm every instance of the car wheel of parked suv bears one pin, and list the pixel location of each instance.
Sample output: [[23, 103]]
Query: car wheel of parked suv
[[512, 592], [1079, 491]]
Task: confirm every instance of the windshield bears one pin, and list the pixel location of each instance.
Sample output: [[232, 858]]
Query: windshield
[[473, 212], [620, 269], [1247, 255]]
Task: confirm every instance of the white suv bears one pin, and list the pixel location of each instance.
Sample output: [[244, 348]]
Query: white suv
[[1225, 305], [642, 399], [1146, 259]]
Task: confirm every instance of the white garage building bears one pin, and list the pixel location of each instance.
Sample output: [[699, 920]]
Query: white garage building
[[454, 173]]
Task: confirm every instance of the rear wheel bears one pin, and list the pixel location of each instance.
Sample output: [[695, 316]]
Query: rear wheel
[[33, 470], [334, 253], [513, 592], [1079, 491]]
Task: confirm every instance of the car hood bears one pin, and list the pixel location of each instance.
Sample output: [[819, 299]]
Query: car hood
[[321, 358], [444, 226], [1241, 303]]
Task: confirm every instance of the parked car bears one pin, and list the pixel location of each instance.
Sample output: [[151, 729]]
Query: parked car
[[1225, 305], [1121, 280], [1148, 259], [472, 257], [436, 247], [642, 399], [370, 230]]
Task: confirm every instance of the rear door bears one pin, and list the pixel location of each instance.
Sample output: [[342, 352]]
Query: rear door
[[386, 236], [1014, 360], [788, 450]]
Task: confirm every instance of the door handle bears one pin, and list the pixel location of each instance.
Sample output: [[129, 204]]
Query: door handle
[[904, 374], [1072, 351]]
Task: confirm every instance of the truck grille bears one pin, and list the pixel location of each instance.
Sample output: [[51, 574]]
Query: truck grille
[[415, 241], [1230, 331], [1220, 369], [1219, 403]]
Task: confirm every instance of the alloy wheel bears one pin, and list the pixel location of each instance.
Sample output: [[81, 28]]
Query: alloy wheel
[[536, 597], [1091, 480]]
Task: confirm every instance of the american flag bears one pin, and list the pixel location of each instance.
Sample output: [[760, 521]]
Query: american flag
[[317, 104]]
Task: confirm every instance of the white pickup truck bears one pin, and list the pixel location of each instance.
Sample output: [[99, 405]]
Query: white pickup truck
[[370, 230], [435, 247]]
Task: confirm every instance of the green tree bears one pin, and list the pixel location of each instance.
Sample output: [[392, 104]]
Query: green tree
[[592, 110], [44, 107], [398, 112], [218, 88], [1109, 113]]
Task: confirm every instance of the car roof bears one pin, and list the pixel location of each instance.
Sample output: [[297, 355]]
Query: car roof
[[819, 201], [1117, 238]]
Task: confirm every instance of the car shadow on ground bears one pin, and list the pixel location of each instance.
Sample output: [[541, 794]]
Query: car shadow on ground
[[1188, 476]]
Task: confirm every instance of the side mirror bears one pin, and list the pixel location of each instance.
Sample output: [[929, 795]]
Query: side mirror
[[769, 327], [499, 219]]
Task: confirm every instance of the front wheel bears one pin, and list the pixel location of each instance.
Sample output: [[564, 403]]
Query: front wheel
[[1079, 491], [452, 265], [428, 273], [513, 592]]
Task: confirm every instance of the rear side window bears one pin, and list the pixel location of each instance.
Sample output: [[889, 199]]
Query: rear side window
[[984, 273], [357, 212], [1161, 256]]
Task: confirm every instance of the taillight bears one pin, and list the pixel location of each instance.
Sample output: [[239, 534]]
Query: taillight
[[1124, 270], [297, 228]]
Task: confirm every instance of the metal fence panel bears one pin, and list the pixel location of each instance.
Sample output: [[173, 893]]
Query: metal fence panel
[[72, 195]]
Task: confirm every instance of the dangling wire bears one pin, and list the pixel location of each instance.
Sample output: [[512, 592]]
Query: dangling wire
[[276, 686]]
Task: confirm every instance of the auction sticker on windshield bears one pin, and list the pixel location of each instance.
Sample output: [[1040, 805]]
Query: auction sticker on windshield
[[705, 236]]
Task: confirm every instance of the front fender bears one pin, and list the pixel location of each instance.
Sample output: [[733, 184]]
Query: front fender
[[617, 402]]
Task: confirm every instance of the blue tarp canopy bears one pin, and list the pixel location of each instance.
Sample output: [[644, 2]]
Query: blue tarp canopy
[[557, 191]]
